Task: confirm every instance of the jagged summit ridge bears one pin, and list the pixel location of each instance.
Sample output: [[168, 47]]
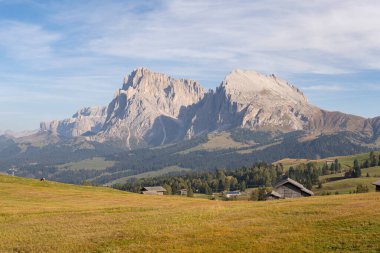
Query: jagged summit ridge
[[86, 120]]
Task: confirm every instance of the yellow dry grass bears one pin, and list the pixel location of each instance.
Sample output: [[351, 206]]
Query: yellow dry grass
[[51, 217]]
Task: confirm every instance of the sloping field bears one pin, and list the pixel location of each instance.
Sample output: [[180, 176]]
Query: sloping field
[[51, 217], [347, 185], [345, 161]]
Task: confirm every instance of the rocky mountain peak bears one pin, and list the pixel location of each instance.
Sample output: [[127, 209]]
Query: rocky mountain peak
[[246, 85], [148, 105], [134, 78]]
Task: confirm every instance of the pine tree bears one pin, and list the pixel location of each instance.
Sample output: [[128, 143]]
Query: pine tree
[[291, 173], [372, 159], [337, 165], [332, 168], [243, 186], [357, 172], [325, 169], [207, 189]]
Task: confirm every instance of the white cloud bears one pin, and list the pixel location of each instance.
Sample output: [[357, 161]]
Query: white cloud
[[26, 41], [286, 36]]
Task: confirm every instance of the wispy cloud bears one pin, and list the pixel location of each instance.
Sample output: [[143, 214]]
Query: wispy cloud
[[26, 41], [319, 37]]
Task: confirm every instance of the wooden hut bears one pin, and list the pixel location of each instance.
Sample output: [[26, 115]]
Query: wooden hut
[[154, 190], [377, 184], [288, 189], [230, 194], [182, 192]]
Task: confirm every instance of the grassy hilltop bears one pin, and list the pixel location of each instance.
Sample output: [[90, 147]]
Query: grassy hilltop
[[52, 217]]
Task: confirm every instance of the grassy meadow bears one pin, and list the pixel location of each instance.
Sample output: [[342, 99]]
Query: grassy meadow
[[345, 161], [96, 163], [45, 216]]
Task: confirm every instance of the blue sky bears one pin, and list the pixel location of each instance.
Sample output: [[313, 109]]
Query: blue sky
[[59, 56]]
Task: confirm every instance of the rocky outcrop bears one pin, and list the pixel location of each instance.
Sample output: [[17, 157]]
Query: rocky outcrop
[[148, 108], [86, 121], [12, 134], [251, 100]]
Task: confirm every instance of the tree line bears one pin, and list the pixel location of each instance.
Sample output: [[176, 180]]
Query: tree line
[[259, 175], [371, 161]]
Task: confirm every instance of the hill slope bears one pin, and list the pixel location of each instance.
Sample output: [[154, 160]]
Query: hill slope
[[51, 217]]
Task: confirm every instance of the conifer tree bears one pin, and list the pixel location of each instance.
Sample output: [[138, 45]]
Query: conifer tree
[[357, 172]]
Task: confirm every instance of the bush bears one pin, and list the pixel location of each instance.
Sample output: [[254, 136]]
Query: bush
[[260, 194], [362, 188]]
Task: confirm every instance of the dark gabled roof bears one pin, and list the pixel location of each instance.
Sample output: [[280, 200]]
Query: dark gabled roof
[[295, 183], [376, 183], [154, 188]]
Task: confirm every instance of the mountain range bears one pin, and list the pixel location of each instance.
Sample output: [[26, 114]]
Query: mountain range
[[153, 109], [159, 123]]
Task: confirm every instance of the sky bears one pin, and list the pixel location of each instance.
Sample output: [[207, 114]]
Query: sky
[[59, 56]]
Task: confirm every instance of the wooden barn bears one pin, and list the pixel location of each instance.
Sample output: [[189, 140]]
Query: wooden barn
[[154, 190], [377, 184], [289, 189]]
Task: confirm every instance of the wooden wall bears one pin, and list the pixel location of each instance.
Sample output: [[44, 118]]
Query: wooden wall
[[290, 191]]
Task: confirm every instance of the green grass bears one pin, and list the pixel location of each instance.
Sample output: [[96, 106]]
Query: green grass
[[51, 217], [155, 173], [346, 161], [347, 185], [96, 163], [373, 171], [217, 141]]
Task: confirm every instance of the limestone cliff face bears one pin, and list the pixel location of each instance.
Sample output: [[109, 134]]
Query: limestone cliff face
[[148, 107], [87, 120], [251, 100]]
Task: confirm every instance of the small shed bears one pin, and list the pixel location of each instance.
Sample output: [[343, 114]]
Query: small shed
[[377, 184], [154, 190], [289, 188], [230, 194], [183, 192]]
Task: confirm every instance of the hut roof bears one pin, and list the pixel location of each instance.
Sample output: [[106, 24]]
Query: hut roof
[[376, 183], [233, 192], [276, 194], [154, 188], [296, 184]]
